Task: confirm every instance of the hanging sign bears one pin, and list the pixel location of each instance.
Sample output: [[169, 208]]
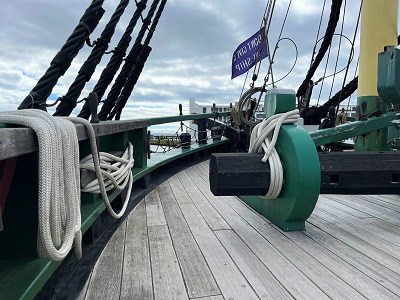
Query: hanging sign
[[252, 50]]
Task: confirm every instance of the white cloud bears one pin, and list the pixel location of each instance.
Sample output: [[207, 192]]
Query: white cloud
[[192, 49]]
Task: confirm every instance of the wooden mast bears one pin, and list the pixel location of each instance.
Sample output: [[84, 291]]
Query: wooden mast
[[378, 29]]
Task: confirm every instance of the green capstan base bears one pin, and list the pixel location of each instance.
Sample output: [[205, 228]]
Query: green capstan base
[[301, 170], [302, 177]]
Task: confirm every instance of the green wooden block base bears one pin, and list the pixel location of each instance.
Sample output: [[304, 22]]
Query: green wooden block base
[[302, 177]]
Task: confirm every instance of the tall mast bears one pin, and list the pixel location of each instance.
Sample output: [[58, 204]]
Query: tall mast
[[378, 29]]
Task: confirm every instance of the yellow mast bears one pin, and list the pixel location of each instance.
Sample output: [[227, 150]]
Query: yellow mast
[[378, 29]]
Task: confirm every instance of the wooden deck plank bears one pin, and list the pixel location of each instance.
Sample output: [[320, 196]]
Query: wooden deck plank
[[263, 282], [180, 193], [375, 211], [167, 279], [389, 227], [325, 202], [229, 279], [350, 274], [364, 235], [359, 205], [389, 204], [362, 246], [197, 276], [298, 284], [370, 267], [218, 297], [136, 277], [154, 211], [105, 282], [361, 225], [210, 215]]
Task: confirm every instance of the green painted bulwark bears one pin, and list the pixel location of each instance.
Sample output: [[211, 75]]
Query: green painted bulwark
[[375, 140], [302, 179]]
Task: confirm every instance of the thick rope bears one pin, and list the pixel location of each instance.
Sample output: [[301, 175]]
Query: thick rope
[[330, 31], [116, 59], [63, 59], [59, 192], [69, 101], [263, 139], [120, 168], [59, 195]]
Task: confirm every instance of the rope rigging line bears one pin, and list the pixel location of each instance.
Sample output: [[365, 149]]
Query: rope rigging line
[[267, 17], [266, 21], [350, 59], [134, 74], [339, 47], [116, 59], [63, 59], [319, 30], [330, 30], [129, 63], [276, 48], [263, 139], [69, 101]]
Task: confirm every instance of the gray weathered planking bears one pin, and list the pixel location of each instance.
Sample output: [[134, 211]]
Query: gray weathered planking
[[136, 276], [213, 219], [182, 242], [167, 278], [230, 280], [198, 278], [105, 282], [154, 211]]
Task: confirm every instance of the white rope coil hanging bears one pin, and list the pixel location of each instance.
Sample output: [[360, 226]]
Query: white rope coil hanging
[[59, 195], [111, 171], [263, 139]]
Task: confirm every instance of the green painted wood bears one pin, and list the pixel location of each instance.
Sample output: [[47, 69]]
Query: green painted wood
[[171, 119], [302, 177], [348, 130], [22, 278], [376, 140]]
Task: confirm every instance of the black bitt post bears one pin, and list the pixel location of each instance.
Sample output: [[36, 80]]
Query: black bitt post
[[202, 131]]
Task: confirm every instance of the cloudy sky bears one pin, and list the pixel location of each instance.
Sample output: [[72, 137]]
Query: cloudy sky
[[192, 49]]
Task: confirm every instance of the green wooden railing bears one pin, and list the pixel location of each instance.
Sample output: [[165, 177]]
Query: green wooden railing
[[22, 273]]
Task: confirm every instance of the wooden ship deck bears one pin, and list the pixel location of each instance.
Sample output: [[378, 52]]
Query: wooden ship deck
[[182, 242]]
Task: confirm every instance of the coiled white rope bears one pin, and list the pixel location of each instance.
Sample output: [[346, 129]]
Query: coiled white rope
[[59, 190], [263, 139], [59, 196], [111, 171]]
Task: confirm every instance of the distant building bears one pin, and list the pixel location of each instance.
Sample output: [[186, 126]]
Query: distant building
[[195, 108]]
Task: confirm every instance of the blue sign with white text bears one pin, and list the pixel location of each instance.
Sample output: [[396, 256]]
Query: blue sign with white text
[[248, 53]]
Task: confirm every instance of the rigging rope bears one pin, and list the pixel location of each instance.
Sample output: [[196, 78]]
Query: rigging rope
[[63, 59], [116, 59], [129, 63], [330, 30], [263, 139], [338, 51], [69, 101], [137, 69]]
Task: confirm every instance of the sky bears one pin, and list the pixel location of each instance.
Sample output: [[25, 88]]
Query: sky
[[192, 50]]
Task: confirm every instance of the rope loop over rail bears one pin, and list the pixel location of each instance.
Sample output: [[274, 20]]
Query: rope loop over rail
[[263, 139]]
